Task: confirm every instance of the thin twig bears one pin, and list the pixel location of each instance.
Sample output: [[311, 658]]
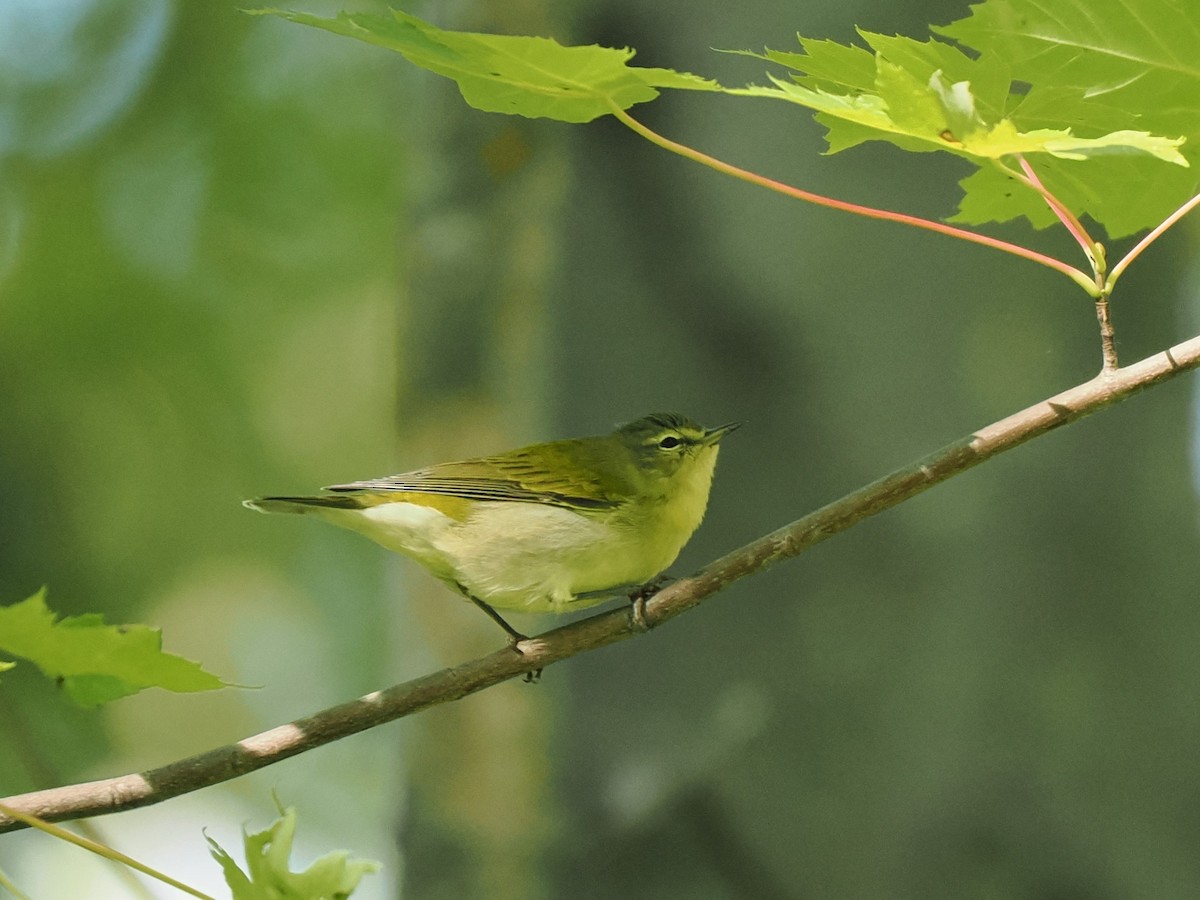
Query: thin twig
[[228, 762], [1108, 343]]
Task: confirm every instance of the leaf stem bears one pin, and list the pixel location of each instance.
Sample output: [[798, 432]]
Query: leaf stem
[[1076, 275], [1092, 249], [1069, 219], [1149, 239], [98, 848], [7, 884]]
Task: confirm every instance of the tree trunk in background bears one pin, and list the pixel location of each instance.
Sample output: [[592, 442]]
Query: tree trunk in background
[[486, 193]]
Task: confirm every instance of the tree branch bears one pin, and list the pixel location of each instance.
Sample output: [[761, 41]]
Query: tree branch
[[228, 762]]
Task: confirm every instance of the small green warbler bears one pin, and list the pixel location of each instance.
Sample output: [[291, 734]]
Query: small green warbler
[[546, 528]]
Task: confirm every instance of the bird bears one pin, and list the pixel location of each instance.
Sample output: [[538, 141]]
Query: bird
[[551, 527]]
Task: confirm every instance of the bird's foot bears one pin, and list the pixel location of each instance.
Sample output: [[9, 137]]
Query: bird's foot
[[638, 597], [515, 638], [651, 587], [533, 676]]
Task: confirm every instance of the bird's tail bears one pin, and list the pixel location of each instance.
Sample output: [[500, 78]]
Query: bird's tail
[[300, 504]]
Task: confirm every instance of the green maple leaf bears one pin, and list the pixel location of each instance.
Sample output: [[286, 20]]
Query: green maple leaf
[[269, 876], [1095, 94], [1095, 66], [528, 76], [1142, 58], [930, 95], [95, 663]]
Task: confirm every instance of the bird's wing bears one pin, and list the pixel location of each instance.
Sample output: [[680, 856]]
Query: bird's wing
[[516, 477]]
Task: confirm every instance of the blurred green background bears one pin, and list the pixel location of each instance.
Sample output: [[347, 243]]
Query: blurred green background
[[238, 257]]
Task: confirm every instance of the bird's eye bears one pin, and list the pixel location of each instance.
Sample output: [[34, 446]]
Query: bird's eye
[[670, 442]]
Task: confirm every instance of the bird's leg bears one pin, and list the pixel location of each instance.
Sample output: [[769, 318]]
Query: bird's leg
[[638, 597], [514, 637]]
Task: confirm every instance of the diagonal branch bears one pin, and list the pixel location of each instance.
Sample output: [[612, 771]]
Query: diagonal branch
[[228, 762]]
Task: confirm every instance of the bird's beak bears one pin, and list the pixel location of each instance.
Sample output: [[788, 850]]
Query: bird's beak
[[713, 435]]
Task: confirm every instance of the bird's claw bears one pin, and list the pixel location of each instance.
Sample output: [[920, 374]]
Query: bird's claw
[[533, 676], [638, 598], [637, 614], [651, 587]]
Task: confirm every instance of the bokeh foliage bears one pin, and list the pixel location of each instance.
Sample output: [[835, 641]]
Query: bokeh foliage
[[986, 693]]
